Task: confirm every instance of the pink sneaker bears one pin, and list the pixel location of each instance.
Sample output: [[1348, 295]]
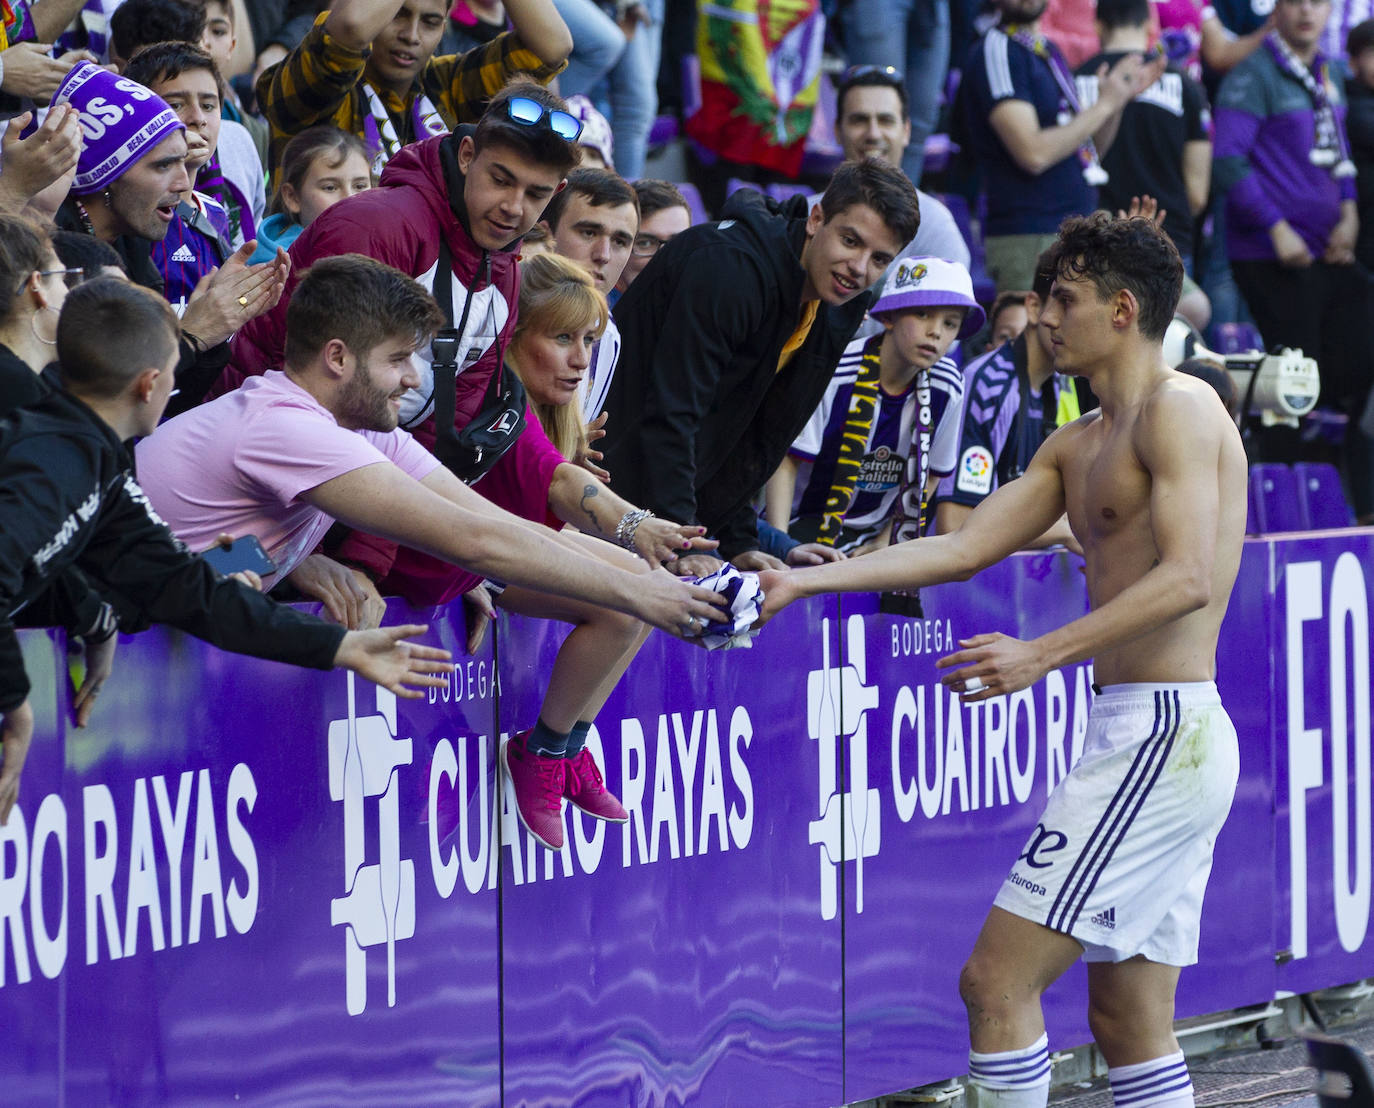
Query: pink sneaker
[[584, 787], [539, 783]]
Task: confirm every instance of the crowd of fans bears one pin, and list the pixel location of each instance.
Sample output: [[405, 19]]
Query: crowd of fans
[[437, 336]]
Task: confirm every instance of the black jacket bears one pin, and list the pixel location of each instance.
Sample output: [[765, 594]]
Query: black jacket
[[699, 416], [68, 497]]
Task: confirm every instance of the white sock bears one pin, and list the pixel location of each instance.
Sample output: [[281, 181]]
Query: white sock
[[1012, 1078], [1158, 1083]]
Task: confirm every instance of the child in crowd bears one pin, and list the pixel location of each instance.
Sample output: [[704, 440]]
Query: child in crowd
[[1007, 318], [320, 166], [888, 425], [220, 40], [595, 139]]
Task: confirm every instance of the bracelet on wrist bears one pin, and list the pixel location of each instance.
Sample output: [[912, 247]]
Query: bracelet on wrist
[[628, 525]]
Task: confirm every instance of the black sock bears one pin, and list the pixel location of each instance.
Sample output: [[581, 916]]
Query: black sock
[[577, 737], [546, 742]]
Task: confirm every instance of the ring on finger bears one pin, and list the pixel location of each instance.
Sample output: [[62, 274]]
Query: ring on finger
[[974, 684], [243, 301]]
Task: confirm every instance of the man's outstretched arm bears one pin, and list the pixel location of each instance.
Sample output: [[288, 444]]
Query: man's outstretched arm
[[1006, 521], [383, 500], [1179, 439]]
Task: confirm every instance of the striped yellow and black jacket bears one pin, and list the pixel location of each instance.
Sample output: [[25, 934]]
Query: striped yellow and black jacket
[[321, 81]]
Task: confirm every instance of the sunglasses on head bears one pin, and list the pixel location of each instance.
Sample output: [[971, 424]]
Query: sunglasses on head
[[528, 113], [855, 72]]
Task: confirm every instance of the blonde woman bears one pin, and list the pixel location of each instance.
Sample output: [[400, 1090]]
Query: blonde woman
[[561, 316]]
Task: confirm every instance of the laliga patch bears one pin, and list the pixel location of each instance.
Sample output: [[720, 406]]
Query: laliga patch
[[975, 471]]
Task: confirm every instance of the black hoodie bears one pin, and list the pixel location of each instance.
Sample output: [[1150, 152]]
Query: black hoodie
[[700, 416]]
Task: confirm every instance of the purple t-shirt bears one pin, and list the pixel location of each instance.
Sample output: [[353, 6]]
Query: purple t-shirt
[[239, 464]]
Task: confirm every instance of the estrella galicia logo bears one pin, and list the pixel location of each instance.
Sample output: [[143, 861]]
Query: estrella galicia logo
[[1043, 842]]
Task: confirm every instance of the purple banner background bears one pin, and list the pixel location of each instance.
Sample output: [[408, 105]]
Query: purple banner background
[[816, 834]]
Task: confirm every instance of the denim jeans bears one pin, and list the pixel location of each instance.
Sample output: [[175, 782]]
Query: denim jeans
[[620, 77], [633, 92], [912, 35], [597, 45]]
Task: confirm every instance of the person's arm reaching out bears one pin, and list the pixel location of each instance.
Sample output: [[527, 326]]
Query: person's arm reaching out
[[578, 498], [541, 29], [1006, 521], [458, 526]]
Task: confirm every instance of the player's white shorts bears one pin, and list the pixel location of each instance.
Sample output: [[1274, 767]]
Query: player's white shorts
[[1121, 855]]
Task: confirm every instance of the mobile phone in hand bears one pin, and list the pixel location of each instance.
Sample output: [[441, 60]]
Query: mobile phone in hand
[[245, 553]]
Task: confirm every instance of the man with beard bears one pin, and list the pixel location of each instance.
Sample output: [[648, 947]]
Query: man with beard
[[292, 451], [1020, 114], [69, 500]]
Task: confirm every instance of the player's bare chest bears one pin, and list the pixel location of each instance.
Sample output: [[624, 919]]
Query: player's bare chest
[[1106, 487]]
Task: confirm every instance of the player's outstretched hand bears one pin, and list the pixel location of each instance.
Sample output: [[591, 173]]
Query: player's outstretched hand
[[777, 593], [991, 665], [385, 657], [16, 733]]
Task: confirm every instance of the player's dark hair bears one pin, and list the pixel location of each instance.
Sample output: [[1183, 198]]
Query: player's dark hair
[[603, 188], [882, 187], [139, 23], [109, 332], [361, 302], [1115, 254]]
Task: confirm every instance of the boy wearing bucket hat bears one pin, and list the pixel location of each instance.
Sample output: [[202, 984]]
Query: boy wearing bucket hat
[[888, 426]]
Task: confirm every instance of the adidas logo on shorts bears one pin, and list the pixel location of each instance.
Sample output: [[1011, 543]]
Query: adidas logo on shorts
[[183, 254], [1105, 919]]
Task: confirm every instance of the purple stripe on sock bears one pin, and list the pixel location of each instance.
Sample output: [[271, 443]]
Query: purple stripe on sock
[[1144, 1080]]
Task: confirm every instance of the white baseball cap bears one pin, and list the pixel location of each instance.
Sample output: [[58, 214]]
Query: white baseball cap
[[931, 282]]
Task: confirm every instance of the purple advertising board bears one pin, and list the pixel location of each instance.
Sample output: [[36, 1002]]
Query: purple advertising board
[[246, 880]]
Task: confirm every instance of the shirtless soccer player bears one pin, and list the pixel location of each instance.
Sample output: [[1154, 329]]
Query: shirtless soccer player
[[1154, 486]]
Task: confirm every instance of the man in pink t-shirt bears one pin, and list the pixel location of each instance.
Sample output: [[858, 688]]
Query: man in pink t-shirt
[[289, 453], [246, 464]]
